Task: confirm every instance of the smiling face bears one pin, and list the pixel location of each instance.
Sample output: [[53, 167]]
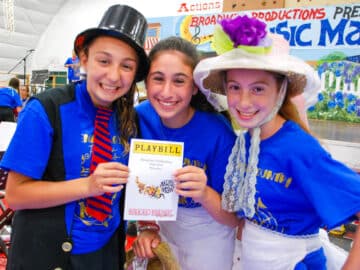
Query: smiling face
[[251, 96], [170, 87], [110, 66]]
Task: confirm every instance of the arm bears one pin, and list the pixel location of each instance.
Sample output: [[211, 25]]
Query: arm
[[353, 260], [22, 192], [191, 182]]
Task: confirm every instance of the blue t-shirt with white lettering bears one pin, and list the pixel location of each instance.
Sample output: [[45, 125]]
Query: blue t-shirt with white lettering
[[34, 136], [208, 139], [300, 187]]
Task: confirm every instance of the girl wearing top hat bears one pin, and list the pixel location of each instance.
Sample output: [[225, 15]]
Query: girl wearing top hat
[[49, 184], [278, 178], [202, 237]]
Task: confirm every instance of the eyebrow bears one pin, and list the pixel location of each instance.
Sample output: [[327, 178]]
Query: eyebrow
[[176, 74], [261, 81], [110, 55]]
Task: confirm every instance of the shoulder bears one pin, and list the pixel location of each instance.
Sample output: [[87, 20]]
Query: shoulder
[[12, 89], [215, 127], [144, 109], [56, 96], [147, 116], [33, 106], [293, 139], [214, 120], [34, 113], [54, 93], [7, 90], [51, 99], [293, 130]]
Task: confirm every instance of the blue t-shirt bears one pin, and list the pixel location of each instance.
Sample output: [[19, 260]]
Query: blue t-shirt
[[73, 72], [9, 98], [34, 136], [208, 139], [300, 187]]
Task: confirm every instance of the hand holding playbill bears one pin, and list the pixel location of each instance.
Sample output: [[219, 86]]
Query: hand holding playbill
[[150, 191]]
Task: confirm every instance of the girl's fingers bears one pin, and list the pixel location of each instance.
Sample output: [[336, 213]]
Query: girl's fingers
[[113, 189]]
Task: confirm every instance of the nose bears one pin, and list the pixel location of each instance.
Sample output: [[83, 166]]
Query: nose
[[166, 89], [242, 99], [114, 73], [245, 97]]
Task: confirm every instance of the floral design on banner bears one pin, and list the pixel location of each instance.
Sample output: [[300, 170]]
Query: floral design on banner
[[339, 98]]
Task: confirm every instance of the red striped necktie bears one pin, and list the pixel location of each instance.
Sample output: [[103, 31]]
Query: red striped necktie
[[99, 207]]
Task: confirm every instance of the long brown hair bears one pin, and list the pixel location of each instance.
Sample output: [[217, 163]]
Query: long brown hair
[[289, 111], [126, 117]]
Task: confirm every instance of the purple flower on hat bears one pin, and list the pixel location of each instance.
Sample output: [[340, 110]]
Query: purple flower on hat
[[243, 30]]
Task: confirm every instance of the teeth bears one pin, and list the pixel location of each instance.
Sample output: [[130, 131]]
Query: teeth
[[108, 87], [167, 103], [246, 114]]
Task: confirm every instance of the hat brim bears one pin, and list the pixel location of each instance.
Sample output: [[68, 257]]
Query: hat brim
[[88, 35], [208, 74]]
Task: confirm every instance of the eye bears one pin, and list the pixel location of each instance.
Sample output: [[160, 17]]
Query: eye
[[232, 87], [157, 78], [258, 89], [179, 81], [103, 61], [129, 67]]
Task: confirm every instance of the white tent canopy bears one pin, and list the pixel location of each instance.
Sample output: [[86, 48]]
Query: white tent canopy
[[49, 27], [22, 22]]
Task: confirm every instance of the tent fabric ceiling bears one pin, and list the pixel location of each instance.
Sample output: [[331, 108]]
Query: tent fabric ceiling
[[31, 18], [50, 26]]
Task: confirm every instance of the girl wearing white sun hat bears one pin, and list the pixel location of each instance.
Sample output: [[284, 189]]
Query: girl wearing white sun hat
[[278, 177]]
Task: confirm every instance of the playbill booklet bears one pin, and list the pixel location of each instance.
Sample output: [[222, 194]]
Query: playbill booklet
[[150, 191]]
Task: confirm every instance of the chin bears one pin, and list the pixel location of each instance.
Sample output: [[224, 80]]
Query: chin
[[245, 124]]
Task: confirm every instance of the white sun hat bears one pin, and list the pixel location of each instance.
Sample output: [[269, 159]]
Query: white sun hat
[[243, 43], [271, 54]]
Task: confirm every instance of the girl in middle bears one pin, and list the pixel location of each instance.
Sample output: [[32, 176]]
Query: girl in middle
[[203, 235]]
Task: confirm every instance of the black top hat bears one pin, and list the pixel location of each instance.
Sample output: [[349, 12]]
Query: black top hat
[[125, 23]]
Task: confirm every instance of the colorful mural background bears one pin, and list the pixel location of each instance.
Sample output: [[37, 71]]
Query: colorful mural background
[[339, 97], [328, 37]]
